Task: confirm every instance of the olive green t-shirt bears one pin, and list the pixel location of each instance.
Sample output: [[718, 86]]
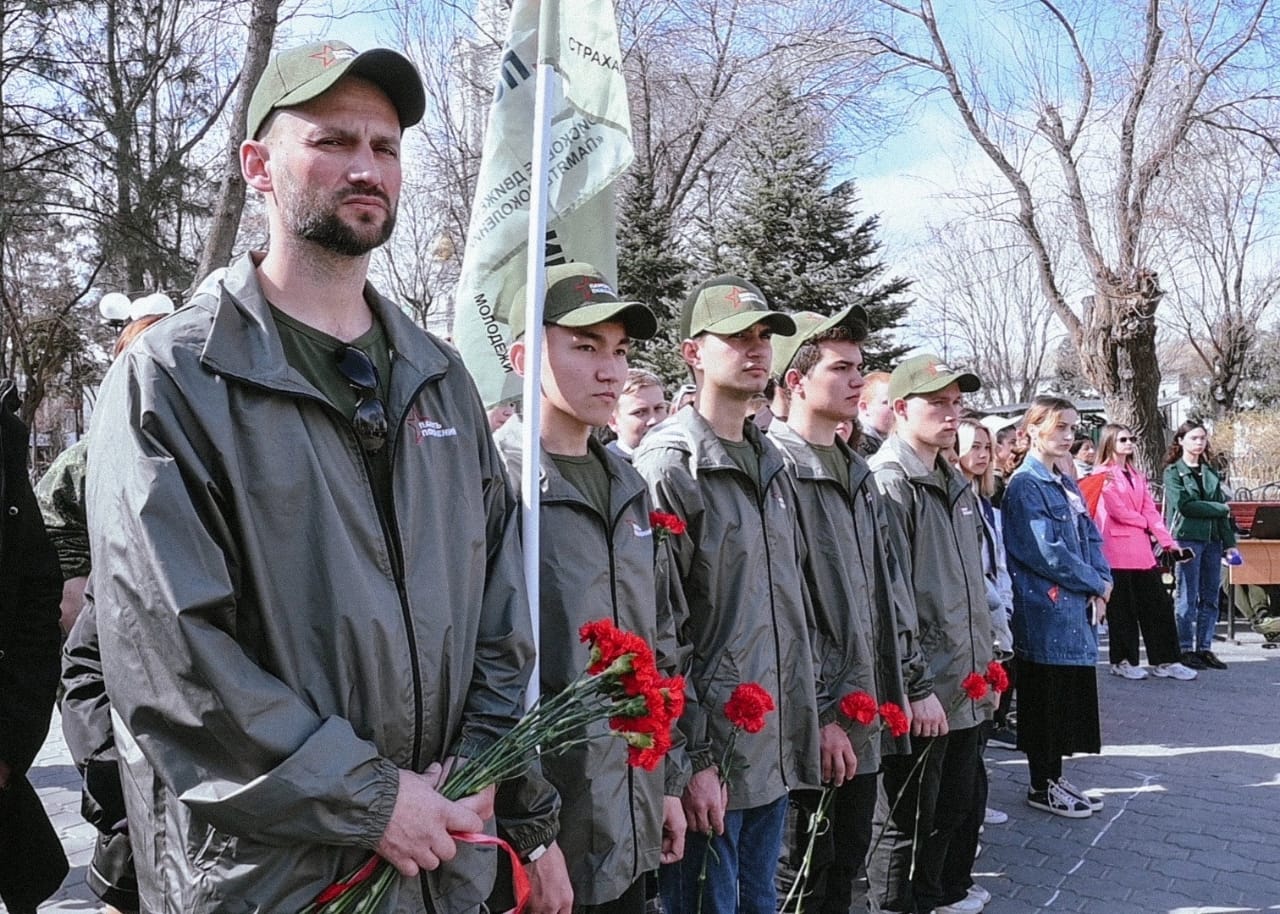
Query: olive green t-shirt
[[589, 476], [834, 462], [743, 453], [310, 352]]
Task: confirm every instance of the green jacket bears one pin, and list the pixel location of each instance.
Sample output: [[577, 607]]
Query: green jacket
[[60, 493], [861, 605], [1196, 509], [592, 567], [273, 651], [941, 530], [746, 608]]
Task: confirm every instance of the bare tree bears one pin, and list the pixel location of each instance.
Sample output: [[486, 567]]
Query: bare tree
[[1224, 252], [1090, 111], [264, 16], [980, 296]]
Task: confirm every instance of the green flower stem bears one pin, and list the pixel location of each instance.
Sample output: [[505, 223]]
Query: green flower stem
[[816, 822]]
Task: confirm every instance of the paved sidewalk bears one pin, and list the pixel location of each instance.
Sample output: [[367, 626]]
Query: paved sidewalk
[[1190, 772]]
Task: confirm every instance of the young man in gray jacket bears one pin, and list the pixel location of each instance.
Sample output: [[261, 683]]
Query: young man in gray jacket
[[748, 617], [307, 562], [599, 558], [934, 830], [862, 606]]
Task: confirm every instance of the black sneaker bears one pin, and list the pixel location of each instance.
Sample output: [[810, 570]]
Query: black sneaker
[[1194, 660], [1211, 660], [1003, 738], [1059, 802]]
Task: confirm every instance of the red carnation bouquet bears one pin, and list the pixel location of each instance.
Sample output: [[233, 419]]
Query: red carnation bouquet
[[860, 708], [620, 684]]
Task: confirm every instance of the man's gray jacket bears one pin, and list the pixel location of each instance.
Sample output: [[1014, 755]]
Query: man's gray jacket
[[747, 617], [862, 606], [273, 649], [595, 567], [941, 551]]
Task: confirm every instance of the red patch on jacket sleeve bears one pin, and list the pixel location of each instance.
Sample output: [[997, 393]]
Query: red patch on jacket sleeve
[[1053, 593]]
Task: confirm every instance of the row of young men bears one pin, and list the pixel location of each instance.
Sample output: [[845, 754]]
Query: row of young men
[[802, 568], [306, 571]]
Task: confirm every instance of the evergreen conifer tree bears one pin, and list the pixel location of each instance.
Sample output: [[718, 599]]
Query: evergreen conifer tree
[[804, 244]]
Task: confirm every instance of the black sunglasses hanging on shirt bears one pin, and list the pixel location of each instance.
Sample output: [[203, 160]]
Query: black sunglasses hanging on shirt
[[370, 417]]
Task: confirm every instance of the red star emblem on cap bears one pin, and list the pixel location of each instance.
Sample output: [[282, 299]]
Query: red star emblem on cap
[[583, 285], [735, 298], [326, 56]]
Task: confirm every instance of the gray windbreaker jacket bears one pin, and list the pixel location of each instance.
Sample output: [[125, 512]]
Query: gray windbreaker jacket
[[747, 616], [594, 567], [273, 651], [941, 552], [862, 606]]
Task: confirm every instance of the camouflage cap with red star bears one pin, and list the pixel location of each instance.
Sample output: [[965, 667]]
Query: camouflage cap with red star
[[300, 74], [726, 305]]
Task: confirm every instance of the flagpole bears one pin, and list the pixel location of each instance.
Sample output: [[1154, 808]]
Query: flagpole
[[535, 284]]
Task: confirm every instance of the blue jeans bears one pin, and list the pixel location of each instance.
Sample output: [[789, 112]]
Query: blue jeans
[[1198, 583], [740, 868]]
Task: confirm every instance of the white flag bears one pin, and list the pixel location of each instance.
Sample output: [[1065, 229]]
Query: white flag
[[590, 147]]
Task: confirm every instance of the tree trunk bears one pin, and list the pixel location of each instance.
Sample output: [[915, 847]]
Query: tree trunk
[[226, 214], [1118, 357]]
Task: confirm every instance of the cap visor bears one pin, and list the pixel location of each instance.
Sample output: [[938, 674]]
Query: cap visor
[[635, 316], [778, 322], [969, 383]]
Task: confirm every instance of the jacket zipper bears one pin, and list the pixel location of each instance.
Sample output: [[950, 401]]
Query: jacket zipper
[[761, 496], [964, 569]]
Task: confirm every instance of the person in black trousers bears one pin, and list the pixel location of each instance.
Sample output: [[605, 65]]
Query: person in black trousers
[[32, 864]]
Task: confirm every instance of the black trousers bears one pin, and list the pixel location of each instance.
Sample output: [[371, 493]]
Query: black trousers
[[930, 814], [840, 853], [1140, 604]]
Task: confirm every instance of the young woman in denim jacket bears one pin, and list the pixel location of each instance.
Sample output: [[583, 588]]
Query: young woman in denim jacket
[[1195, 508], [1061, 584]]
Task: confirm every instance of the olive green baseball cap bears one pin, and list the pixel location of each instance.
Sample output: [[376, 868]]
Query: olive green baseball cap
[[298, 75], [578, 295], [728, 304], [810, 324], [926, 374]]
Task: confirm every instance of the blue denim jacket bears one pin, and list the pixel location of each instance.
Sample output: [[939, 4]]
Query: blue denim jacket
[[1056, 564]]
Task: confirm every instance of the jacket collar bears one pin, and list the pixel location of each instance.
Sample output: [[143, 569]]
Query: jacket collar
[[898, 451], [709, 452], [244, 342], [807, 463]]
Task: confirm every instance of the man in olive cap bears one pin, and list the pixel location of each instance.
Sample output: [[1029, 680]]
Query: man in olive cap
[[745, 613], [925, 860], [309, 586]]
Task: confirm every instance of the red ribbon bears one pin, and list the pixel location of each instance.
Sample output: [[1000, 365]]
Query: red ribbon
[[340, 888], [519, 878]]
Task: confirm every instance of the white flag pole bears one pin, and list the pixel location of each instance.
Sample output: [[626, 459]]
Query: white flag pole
[[535, 283]]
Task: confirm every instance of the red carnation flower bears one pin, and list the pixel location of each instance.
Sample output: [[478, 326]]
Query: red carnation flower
[[610, 644], [858, 706], [747, 706], [997, 676], [673, 692], [974, 686], [895, 719], [668, 523]]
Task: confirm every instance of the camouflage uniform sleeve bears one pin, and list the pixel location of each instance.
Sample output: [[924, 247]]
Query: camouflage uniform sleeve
[[60, 494]]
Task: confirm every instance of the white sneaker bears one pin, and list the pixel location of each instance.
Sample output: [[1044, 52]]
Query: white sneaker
[[1174, 671], [1094, 803], [978, 892], [966, 905], [995, 817], [1128, 672]]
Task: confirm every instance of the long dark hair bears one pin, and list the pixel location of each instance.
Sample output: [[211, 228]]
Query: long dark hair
[[1174, 453], [1043, 408], [1107, 445]]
